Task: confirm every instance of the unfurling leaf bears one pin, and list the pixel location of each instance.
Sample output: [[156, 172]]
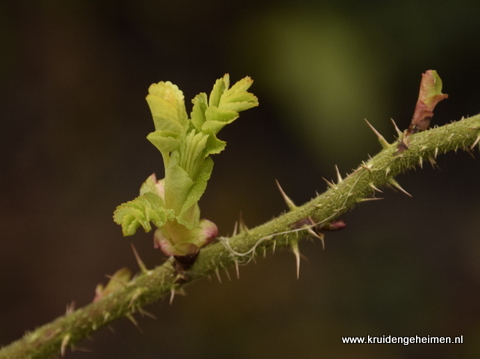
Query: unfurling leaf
[[167, 105], [171, 204], [140, 212]]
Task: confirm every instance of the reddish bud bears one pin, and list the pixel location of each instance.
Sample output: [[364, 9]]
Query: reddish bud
[[334, 226], [174, 239], [429, 96]]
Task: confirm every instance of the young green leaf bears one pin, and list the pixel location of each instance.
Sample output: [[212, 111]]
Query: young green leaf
[[237, 98], [198, 112], [196, 191], [218, 89], [167, 105], [152, 185], [140, 212]]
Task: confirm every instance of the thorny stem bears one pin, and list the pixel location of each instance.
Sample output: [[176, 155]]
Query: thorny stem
[[149, 286]]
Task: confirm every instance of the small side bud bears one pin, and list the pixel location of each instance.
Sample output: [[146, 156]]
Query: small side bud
[[117, 281], [335, 225], [187, 244]]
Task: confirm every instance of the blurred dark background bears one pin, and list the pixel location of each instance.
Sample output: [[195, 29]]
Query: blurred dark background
[[73, 121]]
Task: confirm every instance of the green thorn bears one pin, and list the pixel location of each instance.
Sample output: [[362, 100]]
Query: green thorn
[[475, 143], [368, 199], [375, 188], [63, 347], [133, 320], [287, 199], [329, 184], [237, 269], [242, 226], [399, 133], [339, 176], [318, 235], [142, 266], [395, 184], [172, 295], [381, 139]]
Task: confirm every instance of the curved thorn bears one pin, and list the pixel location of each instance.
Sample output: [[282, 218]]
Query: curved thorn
[[237, 269], [339, 176], [330, 184], [70, 308], [235, 229], [218, 275], [399, 133], [369, 199], [242, 226], [291, 205], [134, 321], [63, 347], [397, 186], [296, 252], [381, 139], [318, 235], [140, 263], [375, 188], [227, 274], [172, 295], [476, 142], [144, 313]]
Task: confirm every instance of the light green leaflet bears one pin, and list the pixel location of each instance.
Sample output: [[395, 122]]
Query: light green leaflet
[[171, 204]]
